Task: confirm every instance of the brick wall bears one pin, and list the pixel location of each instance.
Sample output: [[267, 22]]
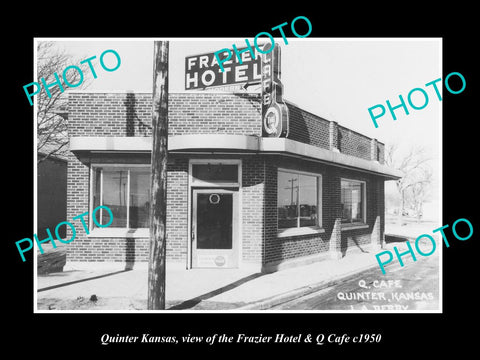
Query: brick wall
[[124, 249], [353, 143], [281, 248], [177, 210], [253, 189], [312, 129], [381, 152], [260, 242], [89, 248], [214, 113], [270, 250], [109, 114], [129, 114], [77, 203], [308, 128]]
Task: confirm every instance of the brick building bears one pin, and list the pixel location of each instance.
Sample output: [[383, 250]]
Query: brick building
[[234, 198]]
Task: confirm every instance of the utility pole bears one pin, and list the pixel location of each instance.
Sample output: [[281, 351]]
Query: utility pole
[[291, 196], [158, 203]]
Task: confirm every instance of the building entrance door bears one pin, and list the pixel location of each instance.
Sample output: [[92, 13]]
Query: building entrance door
[[214, 228]]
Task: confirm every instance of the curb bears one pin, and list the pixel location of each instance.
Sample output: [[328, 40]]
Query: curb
[[269, 302]]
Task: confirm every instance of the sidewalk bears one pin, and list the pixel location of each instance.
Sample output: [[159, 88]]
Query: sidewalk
[[197, 289]]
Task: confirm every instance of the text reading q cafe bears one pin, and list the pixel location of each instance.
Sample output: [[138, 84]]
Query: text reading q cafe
[[254, 181]]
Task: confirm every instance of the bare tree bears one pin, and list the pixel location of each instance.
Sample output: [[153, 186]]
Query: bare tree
[[52, 136], [413, 186], [418, 191]]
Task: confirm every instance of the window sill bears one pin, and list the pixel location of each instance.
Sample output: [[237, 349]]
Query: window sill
[[119, 232], [354, 226], [300, 231]]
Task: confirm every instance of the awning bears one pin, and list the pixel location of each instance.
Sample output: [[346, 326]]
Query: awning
[[224, 143]]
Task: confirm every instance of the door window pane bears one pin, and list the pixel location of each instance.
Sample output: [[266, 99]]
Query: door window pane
[[214, 221]]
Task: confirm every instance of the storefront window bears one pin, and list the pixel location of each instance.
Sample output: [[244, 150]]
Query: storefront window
[[297, 200], [115, 196], [139, 198], [352, 199], [126, 191]]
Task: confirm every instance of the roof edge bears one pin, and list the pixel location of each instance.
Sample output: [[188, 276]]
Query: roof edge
[[230, 142]]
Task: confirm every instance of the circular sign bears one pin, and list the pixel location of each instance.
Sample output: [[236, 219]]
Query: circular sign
[[219, 261], [271, 120], [214, 199]]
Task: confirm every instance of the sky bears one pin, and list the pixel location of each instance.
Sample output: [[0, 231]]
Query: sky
[[338, 79], [335, 78]]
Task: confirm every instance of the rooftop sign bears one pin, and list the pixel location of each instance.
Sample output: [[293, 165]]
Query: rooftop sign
[[203, 71]]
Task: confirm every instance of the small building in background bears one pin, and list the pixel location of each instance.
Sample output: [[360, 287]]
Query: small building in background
[[51, 209], [51, 193]]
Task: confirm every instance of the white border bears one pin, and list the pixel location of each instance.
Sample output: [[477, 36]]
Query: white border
[[35, 177], [440, 188]]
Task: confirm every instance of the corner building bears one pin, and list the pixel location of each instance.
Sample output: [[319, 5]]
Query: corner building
[[234, 198]]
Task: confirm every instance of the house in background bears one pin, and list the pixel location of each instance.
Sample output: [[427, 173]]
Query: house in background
[[51, 210]]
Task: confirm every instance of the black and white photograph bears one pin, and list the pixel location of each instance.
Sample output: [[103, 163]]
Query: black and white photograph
[[240, 182], [286, 189]]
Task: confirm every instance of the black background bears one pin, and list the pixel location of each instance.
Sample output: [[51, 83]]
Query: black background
[[406, 335]]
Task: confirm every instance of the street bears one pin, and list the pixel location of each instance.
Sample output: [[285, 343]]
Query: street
[[412, 287]]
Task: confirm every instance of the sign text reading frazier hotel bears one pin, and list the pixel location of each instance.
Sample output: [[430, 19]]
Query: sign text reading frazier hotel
[[261, 65], [202, 71]]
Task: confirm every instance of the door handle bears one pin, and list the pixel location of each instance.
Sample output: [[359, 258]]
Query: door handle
[[193, 234]]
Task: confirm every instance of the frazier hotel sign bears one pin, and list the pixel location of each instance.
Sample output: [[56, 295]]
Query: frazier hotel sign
[[203, 71]]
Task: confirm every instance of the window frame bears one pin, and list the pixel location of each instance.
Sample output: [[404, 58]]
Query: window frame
[[364, 198], [113, 231], [194, 182], [303, 230]]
